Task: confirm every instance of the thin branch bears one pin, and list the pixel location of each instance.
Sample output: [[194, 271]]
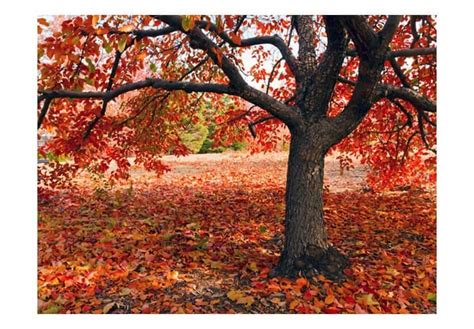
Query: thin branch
[[44, 110], [409, 121], [270, 78], [76, 71], [407, 146], [113, 72], [274, 40], [199, 40], [252, 125], [423, 133], [408, 52], [398, 71]]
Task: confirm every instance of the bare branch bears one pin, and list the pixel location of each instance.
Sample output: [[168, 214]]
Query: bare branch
[[306, 52], [386, 34], [398, 71], [419, 101], [408, 52], [414, 32], [423, 133], [361, 33], [409, 121], [43, 112]]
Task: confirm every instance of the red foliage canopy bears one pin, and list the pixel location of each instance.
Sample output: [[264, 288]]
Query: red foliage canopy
[[115, 87]]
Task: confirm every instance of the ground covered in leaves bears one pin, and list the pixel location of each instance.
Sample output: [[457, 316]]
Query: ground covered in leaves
[[202, 239]]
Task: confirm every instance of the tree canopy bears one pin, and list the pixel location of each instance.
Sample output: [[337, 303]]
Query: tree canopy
[[115, 87]]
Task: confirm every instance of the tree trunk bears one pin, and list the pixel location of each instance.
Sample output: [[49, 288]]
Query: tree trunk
[[307, 250]]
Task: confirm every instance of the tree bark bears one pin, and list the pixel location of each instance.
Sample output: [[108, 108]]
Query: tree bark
[[307, 250]]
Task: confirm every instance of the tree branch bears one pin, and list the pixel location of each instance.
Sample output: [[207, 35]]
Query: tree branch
[[420, 102], [273, 40], [149, 82], [372, 49], [43, 112], [113, 72], [239, 86], [306, 52], [398, 71], [364, 38], [408, 52]]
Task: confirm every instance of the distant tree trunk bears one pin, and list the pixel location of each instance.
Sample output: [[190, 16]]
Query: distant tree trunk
[[307, 250]]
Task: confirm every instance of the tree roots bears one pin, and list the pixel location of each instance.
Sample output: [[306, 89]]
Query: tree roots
[[328, 262]]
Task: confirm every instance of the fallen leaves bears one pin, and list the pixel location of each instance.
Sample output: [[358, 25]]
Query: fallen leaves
[[240, 297], [194, 243]]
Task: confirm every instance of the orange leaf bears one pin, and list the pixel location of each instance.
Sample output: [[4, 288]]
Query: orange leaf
[[95, 19], [126, 28], [329, 300], [301, 281]]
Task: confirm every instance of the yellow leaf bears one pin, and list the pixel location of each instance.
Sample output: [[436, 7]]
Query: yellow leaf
[[367, 299], [234, 295], [54, 282], [125, 292], [187, 23], [275, 300], [122, 43], [173, 275], [216, 265], [253, 267], [248, 301]]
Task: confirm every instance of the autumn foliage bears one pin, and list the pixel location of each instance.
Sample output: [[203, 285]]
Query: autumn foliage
[[117, 94], [204, 237], [103, 53]]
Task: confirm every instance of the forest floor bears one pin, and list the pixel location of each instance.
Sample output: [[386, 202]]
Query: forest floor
[[203, 237]]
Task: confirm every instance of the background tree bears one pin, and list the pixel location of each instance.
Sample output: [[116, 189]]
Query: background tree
[[112, 87]]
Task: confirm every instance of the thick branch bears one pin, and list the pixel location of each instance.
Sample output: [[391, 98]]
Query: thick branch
[[389, 29], [240, 87], [154, 83], [419, 101], [372, 49], [361, 33], [328, 69], [306, 52]]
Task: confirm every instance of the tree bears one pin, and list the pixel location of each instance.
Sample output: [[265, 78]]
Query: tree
[[363, 77]]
